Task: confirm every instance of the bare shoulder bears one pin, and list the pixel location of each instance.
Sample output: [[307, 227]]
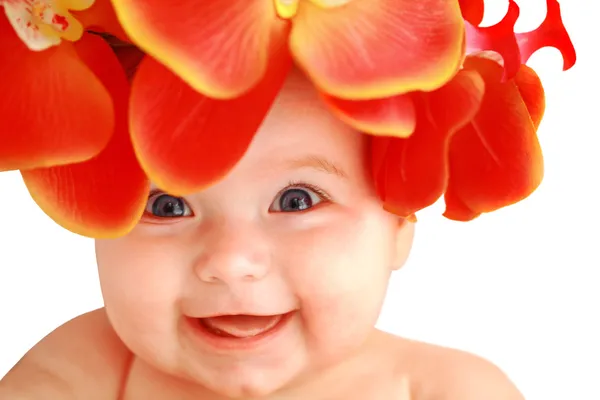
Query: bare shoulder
[[83, 358], [440, 373]]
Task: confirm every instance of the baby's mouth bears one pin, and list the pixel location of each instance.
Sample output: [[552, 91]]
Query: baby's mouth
[[240, 326]]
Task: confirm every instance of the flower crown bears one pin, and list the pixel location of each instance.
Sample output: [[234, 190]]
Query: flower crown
[[445, 117]]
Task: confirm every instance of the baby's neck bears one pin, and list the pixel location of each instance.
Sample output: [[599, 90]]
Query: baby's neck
[[345, 379]]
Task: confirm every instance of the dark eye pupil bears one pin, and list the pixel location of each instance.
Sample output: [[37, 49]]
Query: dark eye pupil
[[295, 200], [168, 206]]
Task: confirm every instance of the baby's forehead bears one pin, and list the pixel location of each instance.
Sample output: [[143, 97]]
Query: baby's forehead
[[300, 122]]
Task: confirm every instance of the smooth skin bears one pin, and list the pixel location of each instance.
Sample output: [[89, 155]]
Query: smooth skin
[[295, 226]]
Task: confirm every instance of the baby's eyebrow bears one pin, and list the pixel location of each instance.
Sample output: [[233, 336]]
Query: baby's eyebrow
[[319, 163]]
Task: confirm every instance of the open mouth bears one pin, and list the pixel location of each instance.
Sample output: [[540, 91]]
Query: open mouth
[[235, 331], [240, 326]]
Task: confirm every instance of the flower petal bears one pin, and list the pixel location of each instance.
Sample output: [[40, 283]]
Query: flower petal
[[496, 160], [500, 39], [456, 209], [186, 141], [379, 48], [54, 109], [415, 171], [219, 47], [531, 90], [551, 33], [516, 48], [472, 10], [392, 116], [105, 196]]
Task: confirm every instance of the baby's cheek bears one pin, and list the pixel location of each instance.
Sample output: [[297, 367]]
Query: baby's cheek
[[140, 289], [340, 280]]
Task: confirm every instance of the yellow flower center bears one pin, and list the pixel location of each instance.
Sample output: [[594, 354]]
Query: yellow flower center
[[41, 24], [287, 9], [43, 14]]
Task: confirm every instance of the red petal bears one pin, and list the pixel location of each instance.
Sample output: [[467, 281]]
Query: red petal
[[369, 49], [496, 160], [472, 10], [392, 116], [456, 209], [415, 171], [551, 33], [499, 38], [105, 196], [516, 49], [187, 141], [219, 47], [532, 92], [54, 110]]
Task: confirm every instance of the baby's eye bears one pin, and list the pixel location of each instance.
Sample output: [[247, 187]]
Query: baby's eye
[[299, 198], [162, 205]]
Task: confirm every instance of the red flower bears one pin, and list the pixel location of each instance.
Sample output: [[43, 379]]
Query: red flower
[[441, 124], [481, 156], [64, 112]]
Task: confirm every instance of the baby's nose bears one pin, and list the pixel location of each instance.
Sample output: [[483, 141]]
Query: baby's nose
[[232, 255]]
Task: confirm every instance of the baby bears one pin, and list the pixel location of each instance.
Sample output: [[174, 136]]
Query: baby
[[266, 285]]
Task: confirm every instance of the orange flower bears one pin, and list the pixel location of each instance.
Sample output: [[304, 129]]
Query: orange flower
[[64, 112], [375, 62], [235, 55], [475, 143], [441, 124], [491, 158], [351, 49]]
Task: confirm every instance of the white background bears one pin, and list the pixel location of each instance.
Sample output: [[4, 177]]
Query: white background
[[519, 287]]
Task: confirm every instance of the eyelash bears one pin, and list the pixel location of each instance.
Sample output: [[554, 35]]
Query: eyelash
[[303, 185]]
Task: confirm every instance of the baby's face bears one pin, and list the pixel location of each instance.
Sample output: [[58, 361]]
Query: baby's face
[[294, 232]]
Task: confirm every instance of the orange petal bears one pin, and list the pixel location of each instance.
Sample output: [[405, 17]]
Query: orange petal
[[54, 109], [371, 49], [532, 92], [456, 209], [472, 10], [219, 47], [101, 17], [187, 141], [379, 148], [392, 116], [105, 196], [415, 171], [551, 33], [496, 160]]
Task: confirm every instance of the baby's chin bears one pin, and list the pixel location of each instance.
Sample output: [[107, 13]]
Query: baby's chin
[[247, 378], [212, 365]]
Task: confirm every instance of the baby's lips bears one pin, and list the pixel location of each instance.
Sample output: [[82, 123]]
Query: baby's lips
[[241, 326], [239, 313]]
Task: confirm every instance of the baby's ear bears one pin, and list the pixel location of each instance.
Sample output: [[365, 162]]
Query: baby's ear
[[404, 240]]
